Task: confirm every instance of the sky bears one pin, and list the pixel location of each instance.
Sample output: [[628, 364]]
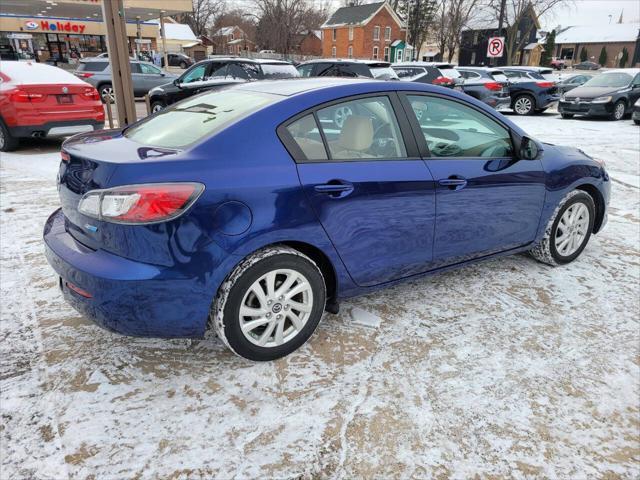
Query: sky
[[592, 12]]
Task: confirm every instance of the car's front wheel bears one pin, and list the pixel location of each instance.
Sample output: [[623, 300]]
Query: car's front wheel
[[568, 231], [157, 106], [270, 304], [183, 65], [524, 105], [107, 94], [618, 110], [8, 142]]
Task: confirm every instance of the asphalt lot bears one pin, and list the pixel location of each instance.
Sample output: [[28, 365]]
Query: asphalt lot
[[507, 368]]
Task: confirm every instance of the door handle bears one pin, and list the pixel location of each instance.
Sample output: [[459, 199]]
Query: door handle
[[335, 188], [453, 182]]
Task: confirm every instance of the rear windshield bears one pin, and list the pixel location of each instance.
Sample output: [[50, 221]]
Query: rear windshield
[[194, 119], [92, 66], [279, 70], [449, 72], [499, 76], [536, 75], [610, 80], [384, 73]]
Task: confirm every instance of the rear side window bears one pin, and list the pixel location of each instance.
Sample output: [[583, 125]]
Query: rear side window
[[499, 76], [306, 134], [197, 118], [449, 72], [279, 70], [92, 66]]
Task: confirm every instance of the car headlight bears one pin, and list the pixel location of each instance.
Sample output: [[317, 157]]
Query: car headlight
[[562, 98], [602, 100], [637, 104]]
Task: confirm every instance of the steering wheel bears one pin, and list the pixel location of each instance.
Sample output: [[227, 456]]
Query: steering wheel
[[443, 149]]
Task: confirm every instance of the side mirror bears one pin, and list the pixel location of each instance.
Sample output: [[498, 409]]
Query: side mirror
[[528, 149], [162, 74], [176, 82]]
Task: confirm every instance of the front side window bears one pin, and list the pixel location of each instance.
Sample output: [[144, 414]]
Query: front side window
[[365, 128], [452, 129], [305, 70], [149, 69], [196, 74], [218, 70], [251, 70], [376, 33], [306, 134], [197, 118]]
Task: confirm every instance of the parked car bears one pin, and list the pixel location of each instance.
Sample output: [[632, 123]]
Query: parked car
[[558, 64], [38, 100], [177, 60], [535, 73], [587, 66], [215, 74], [530, 92], [251, 211], [144, 75], [636, 112], [569, 82], [489, 85], [611, 94], [443, 74], [335, 67]]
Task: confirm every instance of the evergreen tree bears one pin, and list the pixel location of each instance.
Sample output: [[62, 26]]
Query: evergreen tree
[[549, 47], [624, 58], [419, 16], [602, 60], [583, 55]]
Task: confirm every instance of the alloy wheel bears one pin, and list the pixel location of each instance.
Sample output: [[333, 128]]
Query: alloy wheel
[[156, 108], [572, 229], [618, 112], [276, 307], [108, 95], [523, 105]]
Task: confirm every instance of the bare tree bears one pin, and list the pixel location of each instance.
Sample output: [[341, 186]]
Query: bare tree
[[280, 20], [419, 16], [237, 17], [203, 16], [452, 17], [516, 19]]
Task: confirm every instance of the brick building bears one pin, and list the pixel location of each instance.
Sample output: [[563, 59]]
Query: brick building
[[308, 44], [231, 40], [362, 31]]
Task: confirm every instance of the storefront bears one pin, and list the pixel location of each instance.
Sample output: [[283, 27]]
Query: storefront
[[68, 39]]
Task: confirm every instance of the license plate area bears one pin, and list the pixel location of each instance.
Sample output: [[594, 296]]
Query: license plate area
[[64, 99]]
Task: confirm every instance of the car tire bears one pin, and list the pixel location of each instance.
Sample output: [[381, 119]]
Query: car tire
[[566, 115], [565, 237], [540, 110], [8, 142], [106, 92], [157, 106], [275, 315], [618, 111], [524, 105], [637, 122], [183, 65]]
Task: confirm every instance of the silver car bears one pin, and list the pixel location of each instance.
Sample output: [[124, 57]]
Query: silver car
[[145, 76]]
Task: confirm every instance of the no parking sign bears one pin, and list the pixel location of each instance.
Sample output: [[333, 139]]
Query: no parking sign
[[495, 47]]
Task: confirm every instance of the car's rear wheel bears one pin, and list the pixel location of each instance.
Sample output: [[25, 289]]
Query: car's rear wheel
[[270, 304], [157, 106], [618, 110], [107, 94], [568, 231], [8, 142], [637, 122], [566, 115], [540, 110], [524, 105], [183, 65]]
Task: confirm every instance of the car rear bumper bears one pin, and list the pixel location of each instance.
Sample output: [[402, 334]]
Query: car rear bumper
[[545, 101], [584, 108], [56, 129], [127, 297]]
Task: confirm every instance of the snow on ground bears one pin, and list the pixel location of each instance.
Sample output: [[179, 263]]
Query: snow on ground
[[504, 368]]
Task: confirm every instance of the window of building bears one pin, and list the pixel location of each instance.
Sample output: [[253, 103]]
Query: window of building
[[376, 32], [386, 54], [350, 52], [387, 33], [350, 34], [475, 38], [333, 51], [335, 34], [375, 53]]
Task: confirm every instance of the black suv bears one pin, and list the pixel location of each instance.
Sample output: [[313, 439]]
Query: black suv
[[489, 85], [531, 92], [177, 60], [334, 67], [217, 73]]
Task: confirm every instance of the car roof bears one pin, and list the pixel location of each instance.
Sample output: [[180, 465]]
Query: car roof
[[34, 73], [269, 61], [347, 60], [528, 69], [425, 64], [481, 69], [630, 71]]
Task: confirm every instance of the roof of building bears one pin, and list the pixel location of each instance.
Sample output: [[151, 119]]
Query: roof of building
[[224, 31], [358, 14], [615, 32], [178, 31]]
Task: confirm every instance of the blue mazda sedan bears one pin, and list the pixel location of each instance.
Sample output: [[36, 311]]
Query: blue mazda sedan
[[254, 209]]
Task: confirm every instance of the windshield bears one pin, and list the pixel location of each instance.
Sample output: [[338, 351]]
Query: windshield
[[279, 70], [609, 80], [197, 117], [384, 73]]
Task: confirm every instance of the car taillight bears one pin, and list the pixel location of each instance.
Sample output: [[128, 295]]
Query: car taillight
[[546, 84], [85, 74], [22, 96], [90, 93], [443, 81], [493, 86], [140, 204], [64, 156]]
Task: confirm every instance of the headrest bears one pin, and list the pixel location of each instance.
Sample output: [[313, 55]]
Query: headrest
[[357, 133]]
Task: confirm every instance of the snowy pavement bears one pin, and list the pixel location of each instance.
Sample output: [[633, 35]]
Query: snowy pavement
[[508, 368]]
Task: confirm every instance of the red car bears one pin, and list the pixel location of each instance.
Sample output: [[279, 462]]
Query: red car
[[38, 100]]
